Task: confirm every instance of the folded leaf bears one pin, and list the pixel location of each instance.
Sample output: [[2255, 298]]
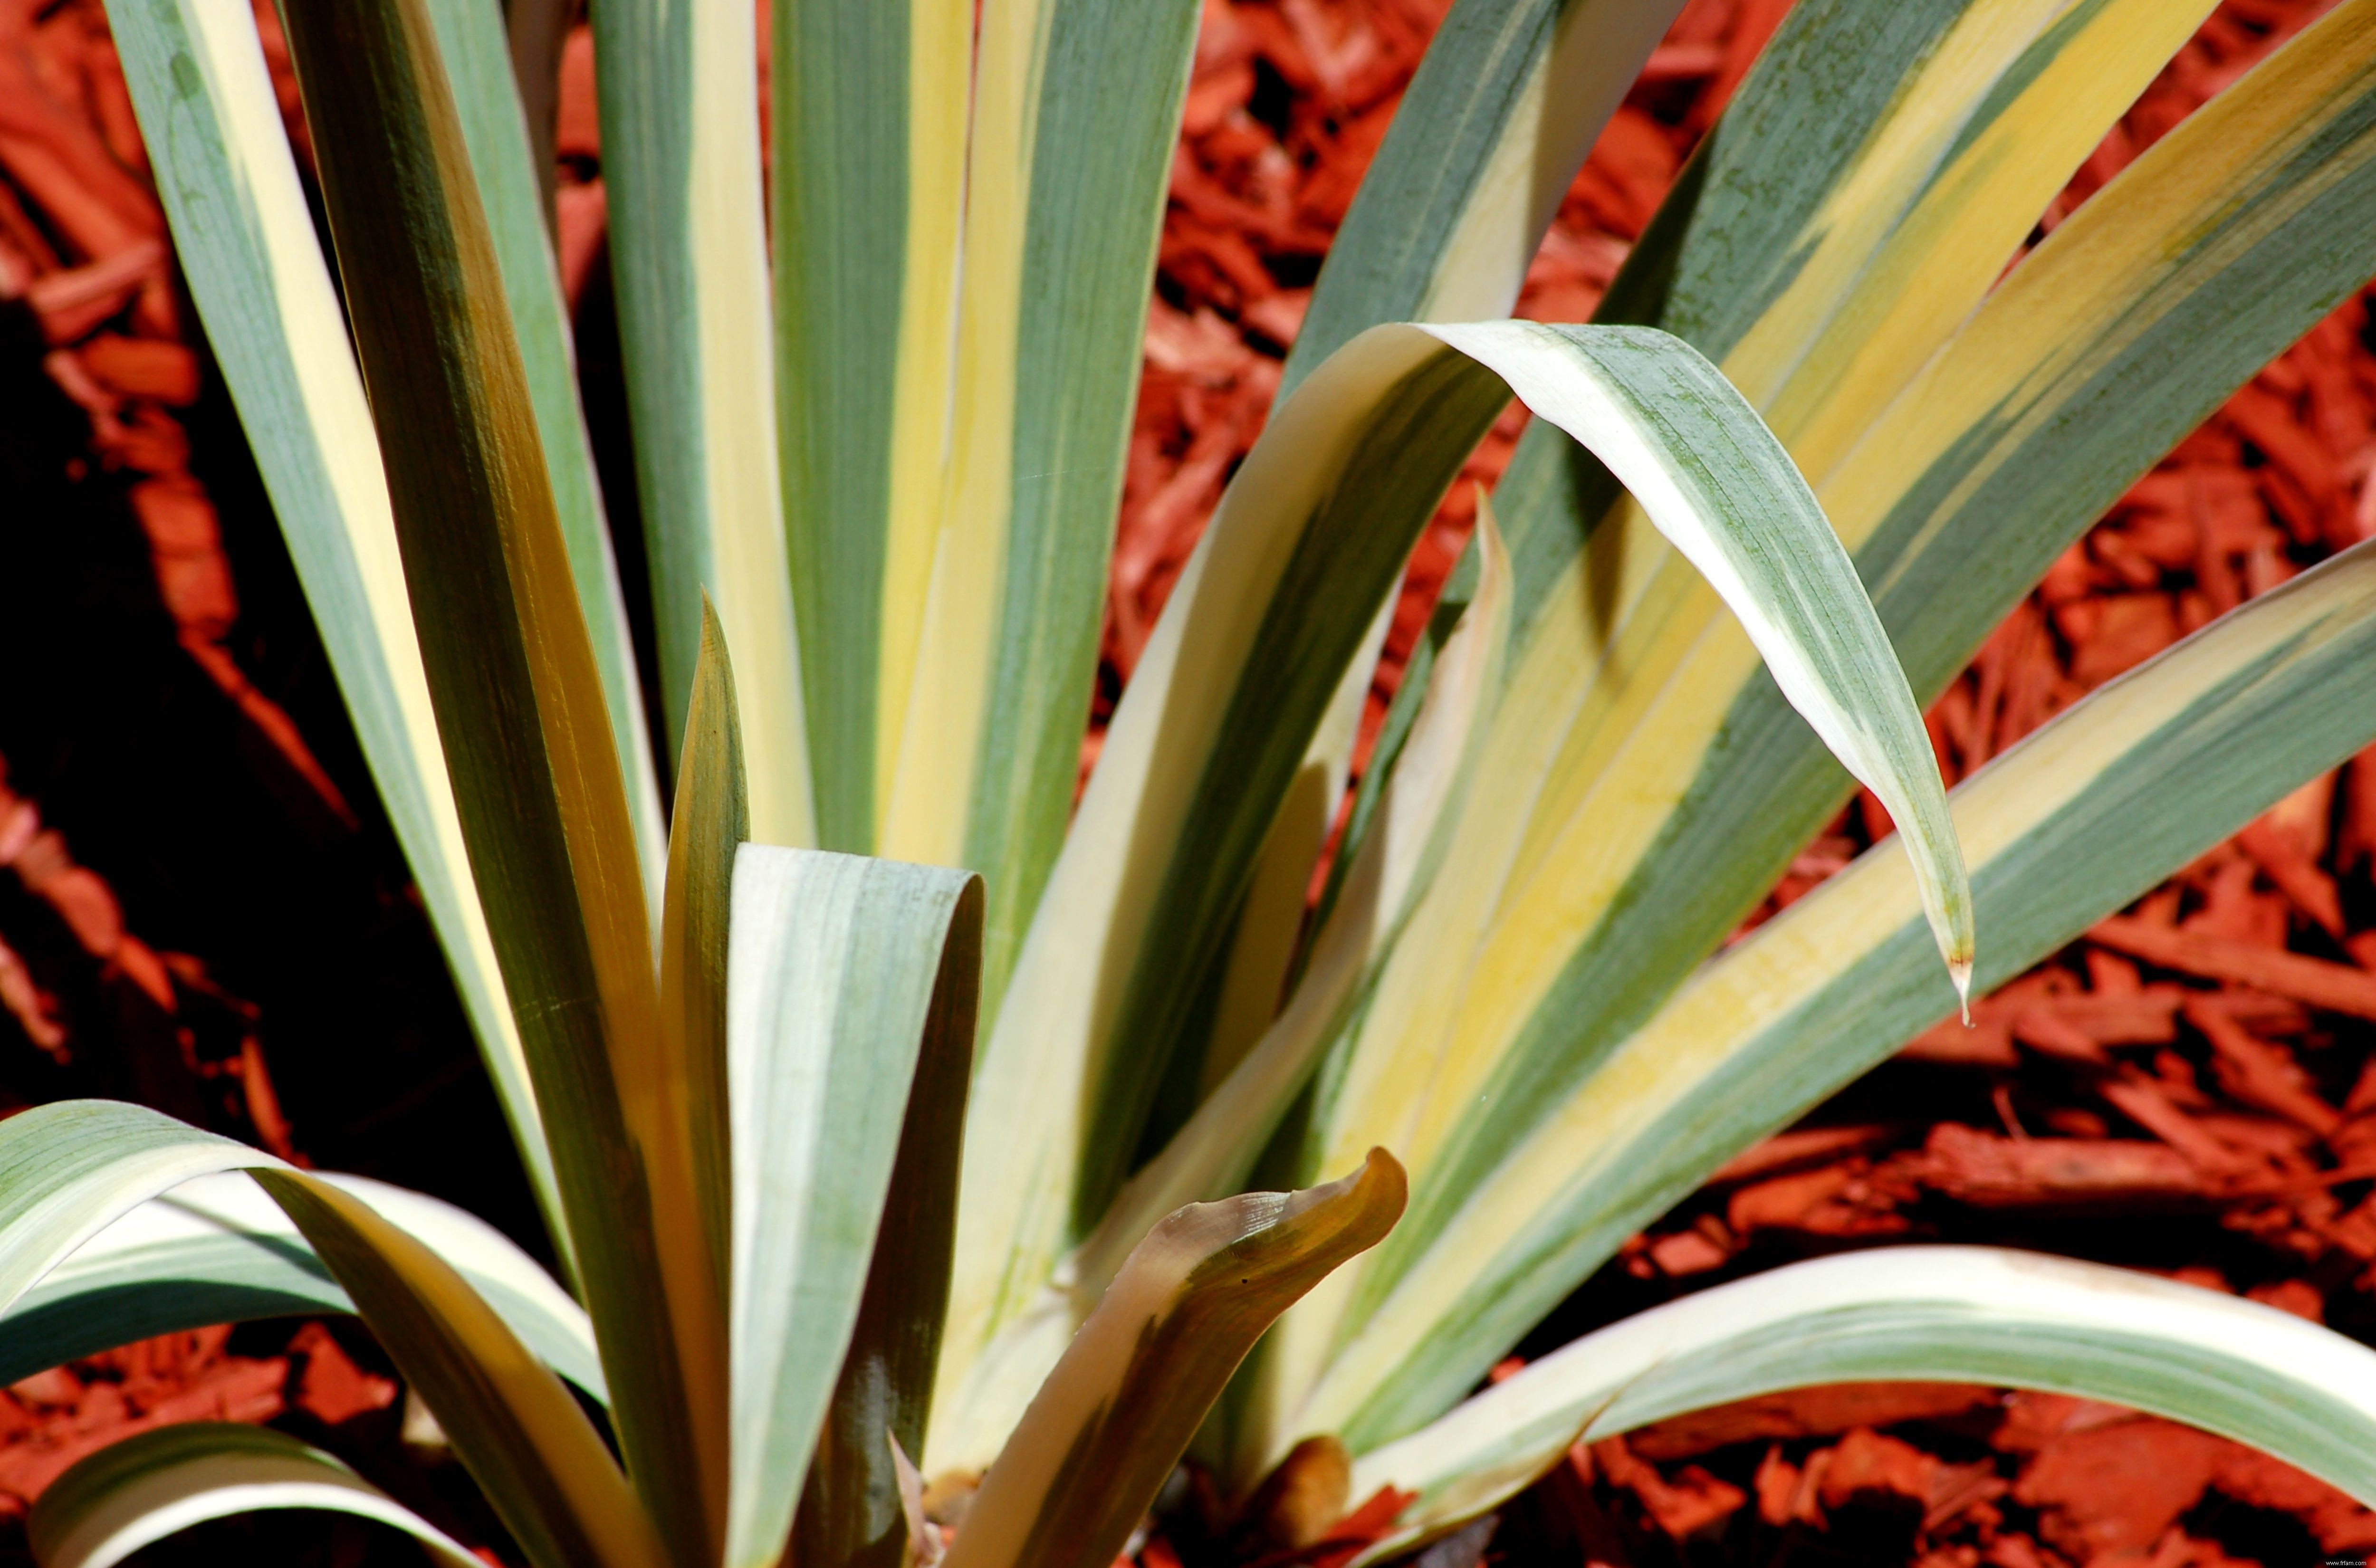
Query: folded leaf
[[852, 985], [137, 1491], [1116, 1414]]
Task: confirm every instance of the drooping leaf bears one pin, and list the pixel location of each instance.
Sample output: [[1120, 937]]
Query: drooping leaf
[[1960, 1314], [133, 1493], [2084, 814], [851, 987], [214, 1249], [1118, 1410], [1614, 839], [69, 1169]]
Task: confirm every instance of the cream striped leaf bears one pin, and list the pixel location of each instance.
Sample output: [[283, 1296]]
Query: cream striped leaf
[[1075, 115], [678, 89], [867, 190], [1486, 141], [214, 1249], [850, 990]]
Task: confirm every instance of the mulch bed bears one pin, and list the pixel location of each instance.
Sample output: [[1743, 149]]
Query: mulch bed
[[2189, 1090]]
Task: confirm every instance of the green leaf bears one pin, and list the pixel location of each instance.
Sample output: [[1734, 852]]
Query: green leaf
[[69, 1169], [214, 1249], [244, 240], [153, 1485], [678, 91], [1116, 1414], [521, 707], [711, 823], [1959, 1314], [851, 1013], [2083, 815], [1215, 1153]]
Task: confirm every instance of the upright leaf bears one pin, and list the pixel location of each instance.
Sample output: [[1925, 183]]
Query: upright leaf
[[986, 681], [867, 184], [678, 89], [520, 705], [245, 242], [851, 986], [711, 823], [513, 166]]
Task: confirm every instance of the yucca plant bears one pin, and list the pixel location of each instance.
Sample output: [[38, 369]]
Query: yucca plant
[[811, 1227]]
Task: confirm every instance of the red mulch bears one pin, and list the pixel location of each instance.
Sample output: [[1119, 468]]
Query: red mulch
[[2188, 1089]]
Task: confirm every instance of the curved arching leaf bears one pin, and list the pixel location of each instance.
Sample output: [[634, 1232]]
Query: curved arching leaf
[[1959, 1314], [133, 1493]]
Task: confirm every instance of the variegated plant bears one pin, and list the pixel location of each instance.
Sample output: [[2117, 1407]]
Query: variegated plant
[[811, 1226]]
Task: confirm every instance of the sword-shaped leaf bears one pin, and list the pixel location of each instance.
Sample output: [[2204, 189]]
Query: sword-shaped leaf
[[520, 705], [245, 242]]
